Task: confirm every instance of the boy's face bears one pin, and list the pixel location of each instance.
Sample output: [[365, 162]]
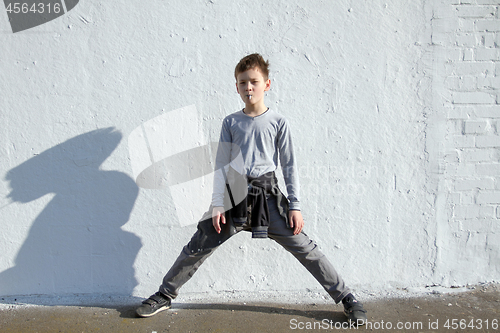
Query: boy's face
[[251, 86]]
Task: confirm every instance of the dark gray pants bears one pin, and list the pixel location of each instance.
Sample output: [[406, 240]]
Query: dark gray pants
[[205, 241]]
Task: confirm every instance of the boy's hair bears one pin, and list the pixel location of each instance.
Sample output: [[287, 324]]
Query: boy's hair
[[252, 61]]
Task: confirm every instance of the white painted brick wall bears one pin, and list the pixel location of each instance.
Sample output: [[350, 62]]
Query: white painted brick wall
[[468, 184], [488, 169], [472, 81], [490, 141], [394, 106], [354, 90], [475, 126]]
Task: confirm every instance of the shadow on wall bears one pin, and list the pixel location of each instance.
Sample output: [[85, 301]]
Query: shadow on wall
[[76, 244]]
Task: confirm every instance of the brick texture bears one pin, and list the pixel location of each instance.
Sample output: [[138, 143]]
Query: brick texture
[[472, 83]]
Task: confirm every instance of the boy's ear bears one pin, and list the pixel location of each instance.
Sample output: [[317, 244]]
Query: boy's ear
[[237, 89], [268, 85]]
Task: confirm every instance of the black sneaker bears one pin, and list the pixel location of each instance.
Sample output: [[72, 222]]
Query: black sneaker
[[154, 304], [354, 310]]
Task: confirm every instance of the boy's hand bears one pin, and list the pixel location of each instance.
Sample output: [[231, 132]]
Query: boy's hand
[[218, 217], [296, 221]]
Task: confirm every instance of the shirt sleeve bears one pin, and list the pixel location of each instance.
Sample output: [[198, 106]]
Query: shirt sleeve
[[288, 165], [222, 160]]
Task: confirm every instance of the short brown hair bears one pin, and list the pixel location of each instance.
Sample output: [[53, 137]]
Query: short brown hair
[[252, 61]]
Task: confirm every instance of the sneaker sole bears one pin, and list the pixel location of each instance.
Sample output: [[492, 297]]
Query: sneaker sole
[[147, 315], [355, 321]]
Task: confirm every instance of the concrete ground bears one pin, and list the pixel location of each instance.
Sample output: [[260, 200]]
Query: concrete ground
[[475, 310]]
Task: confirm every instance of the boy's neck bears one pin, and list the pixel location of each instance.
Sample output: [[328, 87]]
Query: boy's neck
[[254, 110]]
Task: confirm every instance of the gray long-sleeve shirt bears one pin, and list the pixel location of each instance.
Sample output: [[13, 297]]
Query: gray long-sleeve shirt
[[261, 140]]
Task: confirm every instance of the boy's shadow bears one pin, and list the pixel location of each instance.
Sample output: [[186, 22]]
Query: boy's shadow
[[316, 314], [76, 244]]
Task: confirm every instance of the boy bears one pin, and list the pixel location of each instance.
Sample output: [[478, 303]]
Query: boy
[[251, 142]]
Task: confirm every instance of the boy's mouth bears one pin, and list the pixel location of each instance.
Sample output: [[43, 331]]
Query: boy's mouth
[[249, 96]]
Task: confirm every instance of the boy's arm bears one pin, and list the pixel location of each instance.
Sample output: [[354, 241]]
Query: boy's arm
[[290, 174], [222, 160], [288, 166]]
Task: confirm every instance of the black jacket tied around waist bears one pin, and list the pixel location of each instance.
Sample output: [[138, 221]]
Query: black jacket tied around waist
[[254, 208]]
